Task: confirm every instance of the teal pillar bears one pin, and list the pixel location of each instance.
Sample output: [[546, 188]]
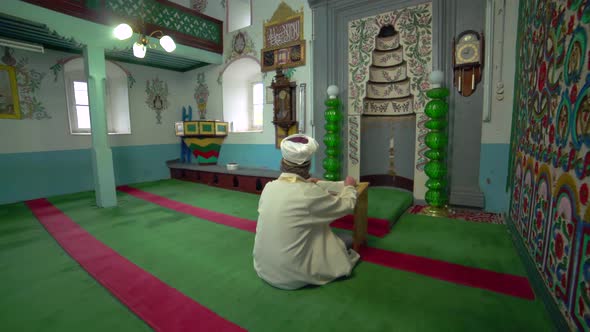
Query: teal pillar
[[102, 156]]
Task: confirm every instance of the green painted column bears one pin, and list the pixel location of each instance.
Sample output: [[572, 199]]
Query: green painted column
[[102, 156], [437, 140], [332, 138]]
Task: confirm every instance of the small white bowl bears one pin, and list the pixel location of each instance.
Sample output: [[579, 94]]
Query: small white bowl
[[232, 166]]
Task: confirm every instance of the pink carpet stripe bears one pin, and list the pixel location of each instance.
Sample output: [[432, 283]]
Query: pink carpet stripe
[[159, 305], [464, 275], [375, 226], [220, 218]]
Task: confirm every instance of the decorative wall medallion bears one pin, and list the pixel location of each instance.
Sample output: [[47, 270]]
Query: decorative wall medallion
[[202, 95], [239, 43], [157, 97], [248, 51], [199, 5]]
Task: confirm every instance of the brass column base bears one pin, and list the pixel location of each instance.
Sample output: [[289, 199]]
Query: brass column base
[[436, 211]]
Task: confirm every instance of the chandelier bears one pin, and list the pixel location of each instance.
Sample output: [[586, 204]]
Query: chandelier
[[124, 31]]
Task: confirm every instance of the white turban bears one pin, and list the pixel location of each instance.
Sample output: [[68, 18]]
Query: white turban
[[298, 148]]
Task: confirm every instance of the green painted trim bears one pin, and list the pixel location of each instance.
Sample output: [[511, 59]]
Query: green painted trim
[[539, 286], [195, 67], [143, 63]]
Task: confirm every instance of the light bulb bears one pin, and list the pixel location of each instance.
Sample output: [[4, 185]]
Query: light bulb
[[123, 31], [333, 91], [139, 50], [167, 43]]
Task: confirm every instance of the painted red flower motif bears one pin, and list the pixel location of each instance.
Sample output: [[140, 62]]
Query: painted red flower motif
[[555, 19], [570, 25], [574, 94], [539, 220], [571, 158], [542, 75], [584, 193], [562, 280], [581, 306], [551, 135], [537, 167], [570, 229], [559, 246]]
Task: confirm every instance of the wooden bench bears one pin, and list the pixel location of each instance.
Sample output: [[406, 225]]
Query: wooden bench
[[250, 180]]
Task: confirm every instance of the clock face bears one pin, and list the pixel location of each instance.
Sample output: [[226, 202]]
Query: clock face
[[467, 50]]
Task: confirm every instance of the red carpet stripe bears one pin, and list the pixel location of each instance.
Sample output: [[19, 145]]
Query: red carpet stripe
[[469, 276], [217, 217], [159, 305], [464, 275], [374, 226]]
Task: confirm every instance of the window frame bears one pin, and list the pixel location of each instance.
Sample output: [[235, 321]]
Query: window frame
[[78, 75], [251, 126]]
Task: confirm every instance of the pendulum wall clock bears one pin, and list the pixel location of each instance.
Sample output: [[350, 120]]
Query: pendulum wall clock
[[468, 55], [284, 106]]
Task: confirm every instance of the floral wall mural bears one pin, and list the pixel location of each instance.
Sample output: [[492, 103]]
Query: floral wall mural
[[58, 67], [550, 156], [242, 45], [202, 95], [157, 97], [29, 81]]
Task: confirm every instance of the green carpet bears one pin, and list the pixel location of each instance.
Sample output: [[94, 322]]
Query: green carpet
[[43, 289], [472, 244], [213, 264]]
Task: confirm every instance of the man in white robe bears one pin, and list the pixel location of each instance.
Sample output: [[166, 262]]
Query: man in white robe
[[294, 244]]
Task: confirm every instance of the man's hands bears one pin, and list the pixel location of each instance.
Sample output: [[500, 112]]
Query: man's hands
[[350, 181]]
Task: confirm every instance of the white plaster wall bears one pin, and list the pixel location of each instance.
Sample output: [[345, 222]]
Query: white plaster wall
[[262, 11], [53, 134], [498, 129]]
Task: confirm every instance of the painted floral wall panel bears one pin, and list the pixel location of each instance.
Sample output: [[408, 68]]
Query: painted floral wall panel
[[389, 61], [412, 38], [550, 157]]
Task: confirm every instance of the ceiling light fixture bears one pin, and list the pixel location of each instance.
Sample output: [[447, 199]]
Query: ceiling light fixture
[[124, 31]]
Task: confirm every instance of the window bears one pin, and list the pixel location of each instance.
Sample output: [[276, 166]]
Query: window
[[257, 105], [116, 98], [238, 15], [243, 99], [81, 103]]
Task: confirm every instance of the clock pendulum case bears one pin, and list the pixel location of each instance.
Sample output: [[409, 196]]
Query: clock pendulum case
[[468, 52], [284, 107]]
